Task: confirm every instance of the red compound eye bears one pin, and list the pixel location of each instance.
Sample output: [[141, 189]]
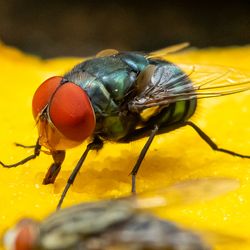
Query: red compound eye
[[71, 112], [25, 239], [44, 93], [24, 236]]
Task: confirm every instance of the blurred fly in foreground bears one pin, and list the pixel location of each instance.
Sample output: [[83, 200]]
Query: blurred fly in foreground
[[120, 224], [121, 97]]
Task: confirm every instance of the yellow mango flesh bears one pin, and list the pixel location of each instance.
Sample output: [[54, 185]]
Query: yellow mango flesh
[[173, 157]]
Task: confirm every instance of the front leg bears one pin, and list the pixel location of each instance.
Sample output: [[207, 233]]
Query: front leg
[[37, 150], [96, 144], [53, 171]]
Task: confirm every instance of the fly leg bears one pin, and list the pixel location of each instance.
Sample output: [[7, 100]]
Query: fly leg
[[97, 144], [141, 157], [53, 171], [24, 146], [207, 139], [37, 150]]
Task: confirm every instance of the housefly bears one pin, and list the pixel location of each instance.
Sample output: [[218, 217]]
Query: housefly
[[121, 97], [119, 224]]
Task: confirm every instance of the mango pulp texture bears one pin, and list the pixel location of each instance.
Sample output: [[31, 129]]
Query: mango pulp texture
[[173, 157]]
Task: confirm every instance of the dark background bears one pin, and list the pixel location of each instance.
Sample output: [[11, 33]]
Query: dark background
[[81, 28]]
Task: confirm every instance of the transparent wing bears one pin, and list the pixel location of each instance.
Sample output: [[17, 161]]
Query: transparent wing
[[216, 80], [168, 50], [186, 192], [165, 86], [158, 53]]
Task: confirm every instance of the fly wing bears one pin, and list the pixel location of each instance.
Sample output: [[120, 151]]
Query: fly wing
[[168, 50], [158, 53], [214, 81], [186, 192], [169, 83]]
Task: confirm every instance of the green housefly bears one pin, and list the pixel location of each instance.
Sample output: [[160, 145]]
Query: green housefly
[[120, 224], [121, 97]]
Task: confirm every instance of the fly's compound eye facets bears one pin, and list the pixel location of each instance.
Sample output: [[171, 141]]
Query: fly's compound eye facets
[[71, 112], [44, 93]]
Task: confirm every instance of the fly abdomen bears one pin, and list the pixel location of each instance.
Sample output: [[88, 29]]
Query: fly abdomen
[[180, 111], [175, 113], [158, 87]]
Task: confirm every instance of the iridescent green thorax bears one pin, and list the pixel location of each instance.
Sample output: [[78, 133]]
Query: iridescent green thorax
[[108, 77], [108, 81], [111, 82]]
